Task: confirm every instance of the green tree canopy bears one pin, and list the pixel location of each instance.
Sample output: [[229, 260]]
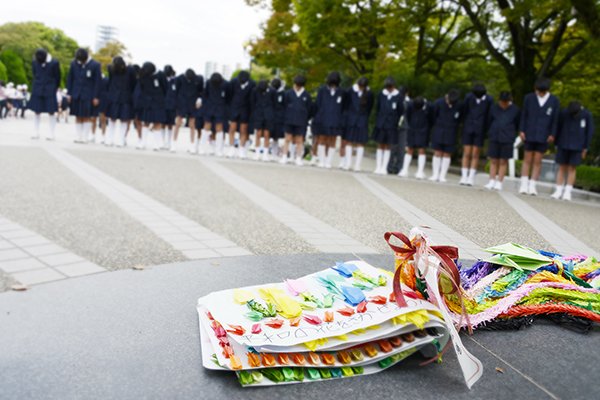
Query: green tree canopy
[[14, 67], [3, 72], [112, 49]]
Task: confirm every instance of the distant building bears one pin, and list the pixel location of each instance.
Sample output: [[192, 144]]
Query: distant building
[[105, 34], [226, 71], [211, 67], [238, 66]]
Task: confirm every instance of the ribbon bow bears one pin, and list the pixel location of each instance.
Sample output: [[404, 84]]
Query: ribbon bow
[[419, 248]]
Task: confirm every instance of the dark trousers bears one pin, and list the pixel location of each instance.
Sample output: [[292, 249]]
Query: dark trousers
[[397, 154], [3, 108]]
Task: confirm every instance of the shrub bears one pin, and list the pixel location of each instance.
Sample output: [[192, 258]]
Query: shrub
[[14, 67], [3, 72], [588, 178]]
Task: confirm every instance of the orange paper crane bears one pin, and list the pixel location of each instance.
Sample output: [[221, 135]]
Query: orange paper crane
[[235, 363], [268, 360], [347, 311], [298, 359], [236, 330], [328, 359], [253, 360], [283, 359]]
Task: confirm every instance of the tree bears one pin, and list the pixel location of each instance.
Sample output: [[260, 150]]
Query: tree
[[531, 39], [14, 67], [3, 72], [110, 50], [24, 38]]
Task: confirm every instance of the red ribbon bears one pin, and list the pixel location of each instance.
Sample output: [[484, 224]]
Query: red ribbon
[[445, 254]]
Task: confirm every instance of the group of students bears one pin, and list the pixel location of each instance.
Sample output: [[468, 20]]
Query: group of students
[[159, 101], [13, 100]]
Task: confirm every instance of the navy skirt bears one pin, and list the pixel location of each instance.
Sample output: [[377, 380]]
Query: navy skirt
[[153, 115], [263, 124], [120, 111], [40, 104], [417, 140], [102, 107], [277, 132], [83, 108], [385, 136], [170, 120], [356, 134]]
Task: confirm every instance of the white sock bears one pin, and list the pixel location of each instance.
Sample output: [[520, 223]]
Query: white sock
[[87, 128], [568, 189], [386, 159], [78, 132], [330, 154], [421, 160], [292, 149], [321, 149], [445, 166], [275, 148], [348, 156], [360, 151], [145, 132], [464, 172], [203, 140], [163, 134], [378, 158], [219, 143], [472, 172], [406, 163], [52, 126], [169, 137], [111, 131], [123, 133], [37, 119], [158, 143], [436, 163], [342, 161]]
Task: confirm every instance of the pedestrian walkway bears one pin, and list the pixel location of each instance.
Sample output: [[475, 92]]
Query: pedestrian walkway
[[31, 258]]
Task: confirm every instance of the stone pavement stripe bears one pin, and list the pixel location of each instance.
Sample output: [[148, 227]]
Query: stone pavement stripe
[[331, 240], [166, 223], [561, 240], [33, 259], [438, 232]]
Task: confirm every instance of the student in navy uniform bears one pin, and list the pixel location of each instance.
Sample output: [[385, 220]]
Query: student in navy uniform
[[503, 121], [399, 150], [170, 143], [419, 118], [574, 135], [389, 109], [539, 122], [477, 110], [46, 81], [153, 91], [328, 121], [239, 111], [263, 100], [64, 105], [101, 111], [298, 105], [83, 84], [448, 113], [189, 97], [279, 110], [136, 105], [215, 104], [121, 84], [360, 100]]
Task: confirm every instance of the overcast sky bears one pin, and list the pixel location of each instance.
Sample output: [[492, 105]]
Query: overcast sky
[[177, 32]]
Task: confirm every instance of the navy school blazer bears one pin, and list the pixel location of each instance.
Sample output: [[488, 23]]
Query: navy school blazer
[[263, 104], [419, 121], [153, 91], [46, 78], [575, 133], [83, 81], [329, 111], [239, 103], [504, 123], [279, 106], [171, 98], [477, 115], [121, 86], [390, 110], [297, 108], [356, 116], [446, 121], [188, 91], [537, 122], [215, 101]]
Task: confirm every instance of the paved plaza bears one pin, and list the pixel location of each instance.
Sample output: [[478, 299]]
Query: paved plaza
[[75, 219]]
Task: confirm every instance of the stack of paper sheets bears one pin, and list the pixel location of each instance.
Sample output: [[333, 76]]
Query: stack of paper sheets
[[335, 324]]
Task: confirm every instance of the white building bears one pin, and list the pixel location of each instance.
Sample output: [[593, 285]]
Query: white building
[[105, 34], [211, 67], [226, 72]]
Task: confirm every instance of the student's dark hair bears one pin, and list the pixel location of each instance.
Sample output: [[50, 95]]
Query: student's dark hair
[[542, 84], [300, 80], [389, 82], [216, 80], [118, 66], [479, 90], [146, 71], [169, 71], [136, 69], [40, 55], [81, 55], [453, 96], [190, 75], [574, 108], [505, 95], [2, 83], [276, 83], [263, 85], [418, 103], [333, 78], [243, 76], [403, 89], [363, 82]]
